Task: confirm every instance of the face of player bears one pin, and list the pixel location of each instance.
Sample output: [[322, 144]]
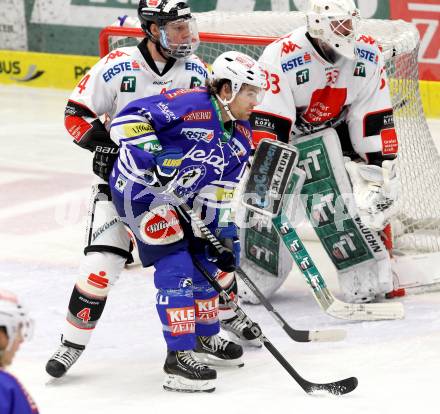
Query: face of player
[[180, 37], [343, 28], [8, 355], [245, 101]]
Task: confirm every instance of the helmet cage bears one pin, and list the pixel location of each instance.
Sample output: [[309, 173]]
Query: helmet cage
[[338, 30], [171, 29], [163, 13]]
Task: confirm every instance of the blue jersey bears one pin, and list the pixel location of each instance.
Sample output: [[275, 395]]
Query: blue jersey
[[214, 159], [14, 399]]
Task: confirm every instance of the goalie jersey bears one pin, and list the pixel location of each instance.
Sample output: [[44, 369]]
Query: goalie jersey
[[306, 93], [120, 77]]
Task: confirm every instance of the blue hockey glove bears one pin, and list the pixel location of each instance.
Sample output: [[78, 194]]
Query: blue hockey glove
[[229, 258], [167, 165]]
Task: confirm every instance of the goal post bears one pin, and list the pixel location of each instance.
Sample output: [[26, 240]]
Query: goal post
[[417, 227]]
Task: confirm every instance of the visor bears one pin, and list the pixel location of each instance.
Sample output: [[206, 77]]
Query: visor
[[180, 38]]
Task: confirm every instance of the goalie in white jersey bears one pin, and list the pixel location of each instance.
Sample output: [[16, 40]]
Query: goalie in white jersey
[[163, 60], [326, 77]]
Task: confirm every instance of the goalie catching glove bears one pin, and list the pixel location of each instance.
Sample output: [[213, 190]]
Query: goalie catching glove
[[375, 191]]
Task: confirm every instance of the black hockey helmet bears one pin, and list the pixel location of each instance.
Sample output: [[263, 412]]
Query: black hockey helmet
[[165, 13]]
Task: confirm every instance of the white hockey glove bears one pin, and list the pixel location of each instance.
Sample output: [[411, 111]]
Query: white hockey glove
[[375, 191]]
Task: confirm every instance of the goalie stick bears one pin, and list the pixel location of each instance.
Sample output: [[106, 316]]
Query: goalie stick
[[336, 388], [274, 174], [296, 335]]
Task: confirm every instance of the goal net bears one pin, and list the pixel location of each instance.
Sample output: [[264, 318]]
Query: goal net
[[417, 228]]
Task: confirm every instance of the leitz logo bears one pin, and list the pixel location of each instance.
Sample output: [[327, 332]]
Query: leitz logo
[[13, 67]]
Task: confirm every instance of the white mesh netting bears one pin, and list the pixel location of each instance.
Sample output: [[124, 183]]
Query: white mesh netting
[[417, 228]]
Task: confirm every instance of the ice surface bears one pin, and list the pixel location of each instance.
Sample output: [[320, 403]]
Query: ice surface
[[44, 182]]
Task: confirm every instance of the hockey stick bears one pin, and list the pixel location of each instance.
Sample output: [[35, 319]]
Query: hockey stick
[[337, 387], [273, 180], [331, 305], [296, 335]]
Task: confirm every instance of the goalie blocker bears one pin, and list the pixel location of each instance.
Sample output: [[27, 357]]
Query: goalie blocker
[[362, 261]]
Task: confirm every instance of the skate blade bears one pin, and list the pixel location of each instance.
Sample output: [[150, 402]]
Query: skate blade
[[256, 343], [213, 361], [180, 384]]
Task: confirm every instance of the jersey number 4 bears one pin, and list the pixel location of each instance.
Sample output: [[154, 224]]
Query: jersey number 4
[[82, 84], [84, 315]]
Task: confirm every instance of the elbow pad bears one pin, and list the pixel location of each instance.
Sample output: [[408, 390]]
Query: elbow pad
[[84, 126]]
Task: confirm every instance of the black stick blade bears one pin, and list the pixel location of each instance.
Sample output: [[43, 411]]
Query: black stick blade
[[341, 387]]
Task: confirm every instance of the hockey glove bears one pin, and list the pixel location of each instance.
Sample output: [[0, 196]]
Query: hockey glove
[[167, 166], [375, 191], [104, 157], [229, 258]]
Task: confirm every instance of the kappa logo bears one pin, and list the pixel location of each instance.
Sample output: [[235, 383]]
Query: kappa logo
[[289, 47], [198, 134], [181, 321], [114, 55], [367, 39]]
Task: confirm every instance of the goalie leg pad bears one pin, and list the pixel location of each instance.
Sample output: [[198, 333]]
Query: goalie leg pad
[[358, 252]]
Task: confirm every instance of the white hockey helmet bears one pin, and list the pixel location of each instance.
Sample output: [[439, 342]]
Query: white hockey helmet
[[14, 316], [336, 23], [241, 70]]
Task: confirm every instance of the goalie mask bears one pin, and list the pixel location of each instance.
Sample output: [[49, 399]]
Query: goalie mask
[[13, 317], [178, 35], [239, 69], [336, 23]]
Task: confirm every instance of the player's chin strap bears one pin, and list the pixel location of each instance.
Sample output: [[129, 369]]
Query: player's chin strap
[[226, 105]]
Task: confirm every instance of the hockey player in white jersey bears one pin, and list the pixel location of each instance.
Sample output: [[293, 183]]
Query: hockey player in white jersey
[[326, 77], [163, 60]]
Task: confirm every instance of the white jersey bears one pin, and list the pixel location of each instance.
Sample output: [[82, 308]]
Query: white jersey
[[305, 92], [127, 74]]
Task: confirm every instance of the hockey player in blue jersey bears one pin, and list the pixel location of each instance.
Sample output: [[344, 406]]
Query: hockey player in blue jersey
[[15, 327], [193, 143]]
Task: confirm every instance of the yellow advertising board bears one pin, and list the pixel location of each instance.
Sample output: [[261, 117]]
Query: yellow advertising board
[[43, 70], [65, 71]]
